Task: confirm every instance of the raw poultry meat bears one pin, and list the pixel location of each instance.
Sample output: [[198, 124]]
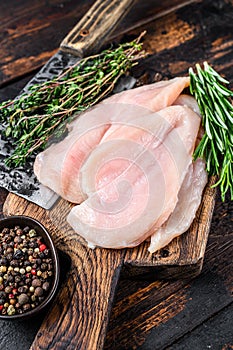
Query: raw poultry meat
[[142, 191], [189, 199], [58, 167], [104, 161], [128, 161]]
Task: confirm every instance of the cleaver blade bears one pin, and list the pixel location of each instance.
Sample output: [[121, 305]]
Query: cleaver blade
[[86, 38]]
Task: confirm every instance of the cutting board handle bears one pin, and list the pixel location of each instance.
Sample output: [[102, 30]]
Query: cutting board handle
[[92, 30], [80, 314]]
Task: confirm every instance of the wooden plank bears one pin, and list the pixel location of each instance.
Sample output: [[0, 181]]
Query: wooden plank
[[189, 35], [217, 47], [216, 333], [183, 257], [84, 302], [36, 22], [171, 310], [101, 267]]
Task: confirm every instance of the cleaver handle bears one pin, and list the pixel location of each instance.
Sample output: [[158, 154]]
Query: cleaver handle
[[93, 29]]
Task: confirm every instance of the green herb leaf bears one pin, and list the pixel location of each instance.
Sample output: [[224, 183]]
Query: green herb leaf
[[216, 145], [32, 118]]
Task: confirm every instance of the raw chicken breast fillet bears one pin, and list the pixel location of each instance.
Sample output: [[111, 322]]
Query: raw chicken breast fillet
[[58, 167], [139, 191], [128, 161], [189, 199]]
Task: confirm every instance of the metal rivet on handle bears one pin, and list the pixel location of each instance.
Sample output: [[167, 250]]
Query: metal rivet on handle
[[84, 32]]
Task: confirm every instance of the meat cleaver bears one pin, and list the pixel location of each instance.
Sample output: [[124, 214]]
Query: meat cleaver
[[86, 38]]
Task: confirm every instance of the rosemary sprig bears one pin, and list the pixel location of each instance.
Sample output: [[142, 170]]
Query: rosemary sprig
[[32, 118], [216, 145]]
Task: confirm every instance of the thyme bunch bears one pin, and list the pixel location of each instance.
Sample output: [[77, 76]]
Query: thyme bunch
[[216, 145], [32, 118]]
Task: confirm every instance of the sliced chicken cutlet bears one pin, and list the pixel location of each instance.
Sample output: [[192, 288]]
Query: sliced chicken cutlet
[[58, 167], [189, 199], [140, 191]]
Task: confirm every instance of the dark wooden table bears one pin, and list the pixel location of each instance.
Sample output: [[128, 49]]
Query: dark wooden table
[[191, 314]]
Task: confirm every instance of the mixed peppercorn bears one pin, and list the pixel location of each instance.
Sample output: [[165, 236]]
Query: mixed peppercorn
[[26, 270]]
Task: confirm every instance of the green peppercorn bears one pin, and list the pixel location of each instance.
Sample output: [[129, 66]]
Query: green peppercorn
[[32, 233], [10, 310], [31, 289]]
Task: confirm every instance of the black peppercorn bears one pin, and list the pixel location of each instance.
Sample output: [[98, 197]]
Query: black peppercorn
[[26, 229], [10, 278], [18, 254], [2, 295], [26, 270], [9, 256], [44, 267], [18, 239], [14, 263], [32, 244], [41, 299], [46, 252], [19, 231], [23, 289], [3, 261], [8, 289], [17, 278], [26, 307], [46, 286]]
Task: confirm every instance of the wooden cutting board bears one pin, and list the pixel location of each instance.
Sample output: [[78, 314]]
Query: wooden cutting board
[[79, 315], [80, 312]]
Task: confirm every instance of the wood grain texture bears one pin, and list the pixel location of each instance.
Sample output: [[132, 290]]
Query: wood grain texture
[[147, 314], [183, 257], [80, 313], [97, 24], [31, 32], [218, 328], [172, 310], [83, 306]]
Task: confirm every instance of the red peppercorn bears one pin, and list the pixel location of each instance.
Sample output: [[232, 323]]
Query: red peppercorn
[[11, 296], [1, 307], [33, 271], [42, 247], [14, 291]]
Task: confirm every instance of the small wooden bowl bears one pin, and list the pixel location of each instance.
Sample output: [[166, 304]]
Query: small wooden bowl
[[23, 221]]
